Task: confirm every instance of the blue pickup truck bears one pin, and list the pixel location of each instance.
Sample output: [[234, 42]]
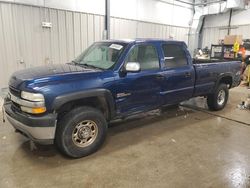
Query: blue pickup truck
[[71, 104]]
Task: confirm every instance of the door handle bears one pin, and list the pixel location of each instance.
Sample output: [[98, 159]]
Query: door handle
[[187, 74], [160, 77]]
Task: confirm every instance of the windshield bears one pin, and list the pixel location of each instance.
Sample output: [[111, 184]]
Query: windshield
[[103, 55]]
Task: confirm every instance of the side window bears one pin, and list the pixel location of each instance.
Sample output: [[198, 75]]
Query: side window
[[146, 55], [174, 56]]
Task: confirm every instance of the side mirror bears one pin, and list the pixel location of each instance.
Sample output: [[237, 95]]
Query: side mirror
[[132, 67]]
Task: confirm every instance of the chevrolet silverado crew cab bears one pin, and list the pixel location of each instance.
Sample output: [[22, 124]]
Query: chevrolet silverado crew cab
[[71, 104]]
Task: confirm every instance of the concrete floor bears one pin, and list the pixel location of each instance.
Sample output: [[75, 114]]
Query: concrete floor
[[181, 147]]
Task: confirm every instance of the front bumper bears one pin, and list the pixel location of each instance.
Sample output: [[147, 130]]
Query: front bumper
[[40, 129]]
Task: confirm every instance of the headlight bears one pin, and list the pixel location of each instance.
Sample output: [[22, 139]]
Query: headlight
[[36, 97], [33, 103]]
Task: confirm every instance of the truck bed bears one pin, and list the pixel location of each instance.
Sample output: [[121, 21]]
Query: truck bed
[[209, 71]]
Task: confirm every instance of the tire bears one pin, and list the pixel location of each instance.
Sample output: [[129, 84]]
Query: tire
[[81, 132], [218, 100]]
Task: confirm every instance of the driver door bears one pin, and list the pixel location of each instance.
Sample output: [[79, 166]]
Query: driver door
[[140, 91]]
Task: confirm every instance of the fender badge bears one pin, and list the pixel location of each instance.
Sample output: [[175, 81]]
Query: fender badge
[[119, 95]]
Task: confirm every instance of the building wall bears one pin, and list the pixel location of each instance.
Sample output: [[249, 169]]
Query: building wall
[[213, 27], [124, 28], [168, 12], [25, 43]]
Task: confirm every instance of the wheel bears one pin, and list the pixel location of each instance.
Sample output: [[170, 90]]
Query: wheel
[[81, 132], [218, 99]]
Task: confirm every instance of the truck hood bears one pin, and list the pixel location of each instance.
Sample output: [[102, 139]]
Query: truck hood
[[47, 71]]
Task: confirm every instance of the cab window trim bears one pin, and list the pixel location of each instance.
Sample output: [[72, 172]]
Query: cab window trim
[[144, 44], [184, 51]]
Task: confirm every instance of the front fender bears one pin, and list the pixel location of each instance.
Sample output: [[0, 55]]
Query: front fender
[[59, 101]]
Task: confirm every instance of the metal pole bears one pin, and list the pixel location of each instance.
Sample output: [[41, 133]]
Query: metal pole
[[107, 19], [229, 21]]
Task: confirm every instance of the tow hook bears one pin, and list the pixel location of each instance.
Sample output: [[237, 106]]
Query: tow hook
[[3, 112]]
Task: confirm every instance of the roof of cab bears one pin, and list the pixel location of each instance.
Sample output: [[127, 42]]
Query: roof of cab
[[139, 40]]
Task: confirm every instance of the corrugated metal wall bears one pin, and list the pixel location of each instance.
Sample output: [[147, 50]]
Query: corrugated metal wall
[[24, 43], [211, 35], [22, 38], [213, 31], [242, 30], [123, 28]]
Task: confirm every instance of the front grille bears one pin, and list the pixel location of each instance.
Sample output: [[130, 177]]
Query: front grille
[[14, 91], [17, 93], [15, 107]]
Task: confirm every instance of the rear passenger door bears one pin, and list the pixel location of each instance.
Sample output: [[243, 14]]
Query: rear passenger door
[[178, 72]]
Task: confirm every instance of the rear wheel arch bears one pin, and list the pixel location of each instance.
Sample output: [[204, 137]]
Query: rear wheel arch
[[224, 79]]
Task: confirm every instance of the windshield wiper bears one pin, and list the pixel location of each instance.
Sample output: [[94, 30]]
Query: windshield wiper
[[76, 63], [92, 66]]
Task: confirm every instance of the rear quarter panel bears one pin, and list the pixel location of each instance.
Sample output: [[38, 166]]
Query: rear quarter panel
[[208, 74]]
